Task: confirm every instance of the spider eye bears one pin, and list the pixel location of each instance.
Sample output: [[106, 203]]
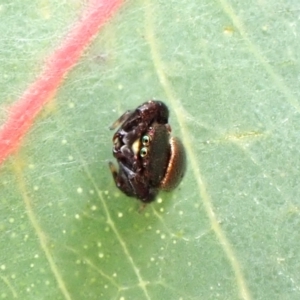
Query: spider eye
[[143, 152], [146, 140]]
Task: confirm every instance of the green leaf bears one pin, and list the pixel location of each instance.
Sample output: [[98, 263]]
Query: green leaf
[[229, 72]]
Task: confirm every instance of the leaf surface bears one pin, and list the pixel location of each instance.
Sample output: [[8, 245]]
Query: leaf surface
[[229, 72]]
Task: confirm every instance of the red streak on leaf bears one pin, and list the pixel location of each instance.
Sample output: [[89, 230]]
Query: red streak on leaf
[[24, 110]]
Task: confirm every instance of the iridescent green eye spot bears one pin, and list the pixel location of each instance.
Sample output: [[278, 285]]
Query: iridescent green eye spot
[[143, 152], [146, 140]]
